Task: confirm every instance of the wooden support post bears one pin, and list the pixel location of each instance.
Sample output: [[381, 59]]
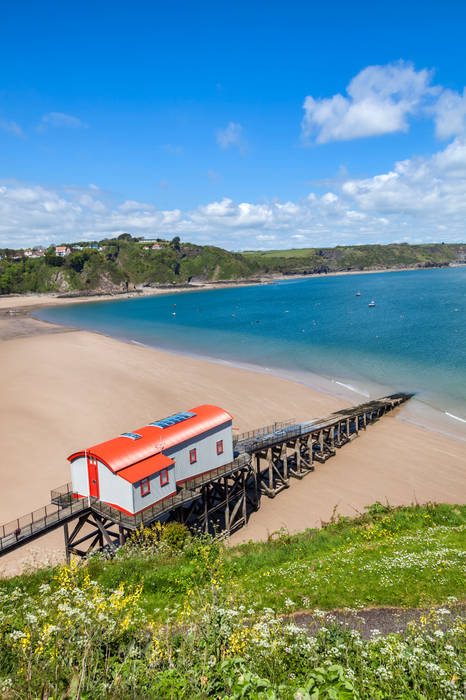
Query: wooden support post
[[227, 505], [243, 479], [67, 542], [205, 493], [122, 534], [310, 451], [270, 461], [284, 458]]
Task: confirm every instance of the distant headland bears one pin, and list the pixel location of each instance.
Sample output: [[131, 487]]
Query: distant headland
[[127, 264]]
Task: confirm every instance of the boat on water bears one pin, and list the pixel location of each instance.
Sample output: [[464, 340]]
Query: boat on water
[[372, 303], [358, 294]]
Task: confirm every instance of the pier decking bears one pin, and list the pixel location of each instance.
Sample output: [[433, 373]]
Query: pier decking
[[266, 459]]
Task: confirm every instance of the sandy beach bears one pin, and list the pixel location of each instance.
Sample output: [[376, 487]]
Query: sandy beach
[[63, 390]]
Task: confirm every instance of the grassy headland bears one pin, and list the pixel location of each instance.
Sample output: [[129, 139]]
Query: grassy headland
[[124, 263], [175, 615]]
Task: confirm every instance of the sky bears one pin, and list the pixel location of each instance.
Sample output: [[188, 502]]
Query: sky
[[249, 125]]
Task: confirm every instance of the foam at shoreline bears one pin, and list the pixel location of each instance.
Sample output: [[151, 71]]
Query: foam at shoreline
[[416, 412], [316, 332]]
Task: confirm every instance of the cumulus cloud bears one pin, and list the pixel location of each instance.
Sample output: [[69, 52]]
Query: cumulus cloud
[[418, 199], [11, 126], [450, 114], [58, 119], [379, 101], [231, 135]]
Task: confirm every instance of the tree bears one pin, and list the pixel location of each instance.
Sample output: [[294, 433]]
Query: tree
[[52, 259], [175, 243]]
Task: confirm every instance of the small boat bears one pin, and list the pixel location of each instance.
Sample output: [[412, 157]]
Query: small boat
[[372, 303], [358, 294]]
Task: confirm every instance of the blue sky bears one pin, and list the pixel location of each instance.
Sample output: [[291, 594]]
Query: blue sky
[[248, 125]]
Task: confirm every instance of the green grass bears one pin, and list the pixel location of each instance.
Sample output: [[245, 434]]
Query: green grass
[[408, 556], [205, 620]]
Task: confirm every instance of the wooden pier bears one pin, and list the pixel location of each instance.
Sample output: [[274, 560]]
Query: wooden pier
[[220, 501]]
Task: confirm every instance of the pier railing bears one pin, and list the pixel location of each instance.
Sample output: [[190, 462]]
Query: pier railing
[[38, 522], [264, 430], [62, 495], [262, 438]]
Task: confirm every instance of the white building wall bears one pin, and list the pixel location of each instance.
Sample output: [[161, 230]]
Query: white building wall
[[157, 492], [206, 453], [79, 476], [115, 490]]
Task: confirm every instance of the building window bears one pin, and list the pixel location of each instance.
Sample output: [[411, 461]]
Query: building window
[[145, 487], [164, 477], [192, 456], [220, 447]]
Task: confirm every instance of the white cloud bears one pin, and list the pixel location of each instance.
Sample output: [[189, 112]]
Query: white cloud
[[11, 126], [418, 199], [58, 119], [450, 114], [379, 101], [231, 135]]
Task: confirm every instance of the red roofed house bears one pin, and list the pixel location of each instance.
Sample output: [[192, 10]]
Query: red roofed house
[[62, 250], [136, 470]]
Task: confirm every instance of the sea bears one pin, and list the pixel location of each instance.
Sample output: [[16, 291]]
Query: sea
[[321, 331]]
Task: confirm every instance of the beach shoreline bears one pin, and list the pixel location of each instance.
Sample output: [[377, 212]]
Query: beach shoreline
[[417, 412], [22, 303]]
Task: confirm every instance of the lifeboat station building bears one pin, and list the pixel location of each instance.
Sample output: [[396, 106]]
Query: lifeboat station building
[[138, 469]]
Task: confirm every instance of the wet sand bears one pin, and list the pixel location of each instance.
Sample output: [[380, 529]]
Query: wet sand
[[63, 390]]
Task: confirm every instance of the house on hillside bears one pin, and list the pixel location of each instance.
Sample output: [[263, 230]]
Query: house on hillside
[[138, 469], [62, 250]]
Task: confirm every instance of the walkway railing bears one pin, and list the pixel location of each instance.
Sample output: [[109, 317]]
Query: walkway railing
[[264, 430], [37, 523], [266, 437]]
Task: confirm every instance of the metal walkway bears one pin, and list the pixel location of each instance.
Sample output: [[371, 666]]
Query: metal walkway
[[265, 460], [27, 528]]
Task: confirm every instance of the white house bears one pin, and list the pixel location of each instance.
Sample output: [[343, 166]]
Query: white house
[[137, 469], [62, 250]]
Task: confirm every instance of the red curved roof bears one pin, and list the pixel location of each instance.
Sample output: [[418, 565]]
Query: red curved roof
[[122, 452]]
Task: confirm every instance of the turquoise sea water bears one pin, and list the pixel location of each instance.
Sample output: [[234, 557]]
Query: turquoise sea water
[[414, 339]]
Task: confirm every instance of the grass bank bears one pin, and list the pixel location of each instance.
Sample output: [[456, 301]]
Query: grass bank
[[177, 616]]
